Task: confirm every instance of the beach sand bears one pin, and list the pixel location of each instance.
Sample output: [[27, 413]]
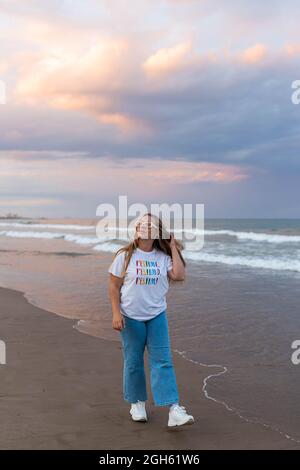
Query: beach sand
[[62, 389]]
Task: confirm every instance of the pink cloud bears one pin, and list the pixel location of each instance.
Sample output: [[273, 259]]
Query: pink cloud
[[254, 54], [180, 172], [292, 49], [29, 202], [86, 82], [168, 60]]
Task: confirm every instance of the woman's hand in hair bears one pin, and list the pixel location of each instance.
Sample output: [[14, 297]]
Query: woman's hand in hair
[[177, 273], [172, 241]]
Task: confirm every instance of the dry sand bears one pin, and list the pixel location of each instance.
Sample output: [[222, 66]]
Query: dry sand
[[61, 389]]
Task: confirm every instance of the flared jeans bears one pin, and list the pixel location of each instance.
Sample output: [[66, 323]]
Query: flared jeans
[[153, 334]]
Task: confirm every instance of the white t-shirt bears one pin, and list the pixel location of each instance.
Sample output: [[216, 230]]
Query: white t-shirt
[[146, 283]]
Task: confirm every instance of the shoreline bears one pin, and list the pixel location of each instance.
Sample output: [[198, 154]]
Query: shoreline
[[62, 389]]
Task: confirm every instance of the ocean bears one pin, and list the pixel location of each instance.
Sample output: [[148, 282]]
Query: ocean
[[238, 310]]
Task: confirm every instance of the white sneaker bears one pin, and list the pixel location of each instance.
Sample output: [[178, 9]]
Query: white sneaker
[[179, 416], [138, 411]]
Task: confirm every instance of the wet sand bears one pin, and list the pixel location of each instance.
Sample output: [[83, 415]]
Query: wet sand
[[62, 389]]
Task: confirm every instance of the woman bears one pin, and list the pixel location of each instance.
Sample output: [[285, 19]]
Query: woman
[[139, 281]]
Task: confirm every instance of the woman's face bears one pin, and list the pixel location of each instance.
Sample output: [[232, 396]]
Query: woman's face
[[147, 228]]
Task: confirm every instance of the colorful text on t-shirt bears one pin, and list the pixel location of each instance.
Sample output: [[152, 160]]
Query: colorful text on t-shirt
[[147, 272]]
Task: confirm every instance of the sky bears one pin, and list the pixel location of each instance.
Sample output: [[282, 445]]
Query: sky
[[165, 101]]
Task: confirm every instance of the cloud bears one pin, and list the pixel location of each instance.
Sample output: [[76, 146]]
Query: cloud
[[71, 184], [172, 87], [167, 60], [39, 155], [88, 83], [176, 172], [28, 202], [254, 54], [292, 49]]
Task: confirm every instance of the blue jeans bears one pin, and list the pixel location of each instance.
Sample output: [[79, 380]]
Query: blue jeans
[[154, 334]]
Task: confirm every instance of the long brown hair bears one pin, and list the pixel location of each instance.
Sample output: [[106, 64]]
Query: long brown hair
[[162, 243]]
